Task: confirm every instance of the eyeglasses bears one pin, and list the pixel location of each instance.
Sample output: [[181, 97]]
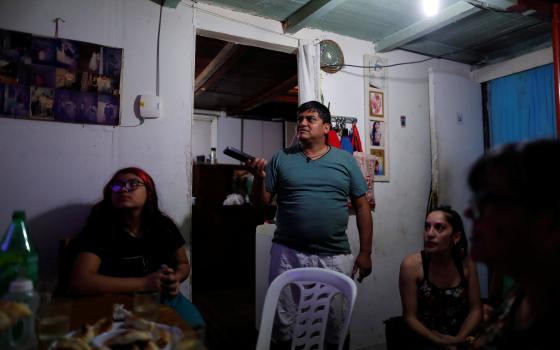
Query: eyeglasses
[[129, 185]]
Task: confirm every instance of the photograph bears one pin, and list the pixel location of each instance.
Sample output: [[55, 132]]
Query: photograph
[[37, 75], [88, 81], [66, 78], [112, 61], [42, 100], [106, 85], [108, 110], [87, 107], [376, 103], [67, 53], [90, 58], [376, 133], [15, 47], [66, 105], [379, 161], [375, 70], [16, 100], [43, 50], [8, 73]]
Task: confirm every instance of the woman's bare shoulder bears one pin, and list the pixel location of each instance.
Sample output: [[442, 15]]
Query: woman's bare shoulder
[[412, 261]]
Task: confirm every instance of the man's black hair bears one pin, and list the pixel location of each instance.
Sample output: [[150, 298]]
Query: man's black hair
[[318, 107]]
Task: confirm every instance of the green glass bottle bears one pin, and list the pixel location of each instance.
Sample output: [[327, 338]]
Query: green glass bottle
[[18, 255]]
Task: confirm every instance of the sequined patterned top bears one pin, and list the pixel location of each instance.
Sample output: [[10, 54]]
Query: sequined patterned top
[[442, 309]]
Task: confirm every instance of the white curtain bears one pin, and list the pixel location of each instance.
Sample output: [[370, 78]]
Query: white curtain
[[308, 71]]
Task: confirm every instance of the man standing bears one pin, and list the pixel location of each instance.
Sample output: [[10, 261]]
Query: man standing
[[313, 182]]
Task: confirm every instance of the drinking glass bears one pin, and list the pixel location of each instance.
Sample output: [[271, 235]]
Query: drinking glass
[[192, 339], [53, 319], [146, 305]]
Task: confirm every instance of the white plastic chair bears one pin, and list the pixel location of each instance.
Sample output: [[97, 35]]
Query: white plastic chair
[[317, 287]]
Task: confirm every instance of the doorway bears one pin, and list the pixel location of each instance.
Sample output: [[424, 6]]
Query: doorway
[[243, 97]]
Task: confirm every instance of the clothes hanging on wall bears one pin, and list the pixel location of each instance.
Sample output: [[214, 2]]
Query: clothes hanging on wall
[[356, 141], [332, 139], [346, 141]]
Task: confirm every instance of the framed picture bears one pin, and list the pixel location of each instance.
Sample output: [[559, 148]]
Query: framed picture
[[376, 103], [376, 133], [376, 82], [375, 71], [380, 165]]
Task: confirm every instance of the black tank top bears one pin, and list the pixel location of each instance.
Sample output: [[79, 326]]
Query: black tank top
[[442, 309]]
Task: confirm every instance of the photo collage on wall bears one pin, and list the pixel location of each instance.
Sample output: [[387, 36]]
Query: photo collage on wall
[[56, 79], [376, 110]]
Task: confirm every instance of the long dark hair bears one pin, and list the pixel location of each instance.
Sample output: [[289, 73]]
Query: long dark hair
[[105, 213], [460, 249]]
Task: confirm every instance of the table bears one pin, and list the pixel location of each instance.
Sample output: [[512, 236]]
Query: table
[[89, 309]]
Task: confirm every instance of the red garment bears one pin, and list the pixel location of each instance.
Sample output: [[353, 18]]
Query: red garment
[[356, 141], [332, 139]]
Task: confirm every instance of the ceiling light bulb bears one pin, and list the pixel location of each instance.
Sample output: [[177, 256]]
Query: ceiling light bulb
[[430, 7]]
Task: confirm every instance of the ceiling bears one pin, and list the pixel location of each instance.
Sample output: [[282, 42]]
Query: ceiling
[[245, 81], [238, 79]]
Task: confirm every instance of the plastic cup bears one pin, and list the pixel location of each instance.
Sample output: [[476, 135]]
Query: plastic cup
[[146, 305], [53, 319]]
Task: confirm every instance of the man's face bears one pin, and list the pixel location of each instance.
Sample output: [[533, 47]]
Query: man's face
[[310, 126]]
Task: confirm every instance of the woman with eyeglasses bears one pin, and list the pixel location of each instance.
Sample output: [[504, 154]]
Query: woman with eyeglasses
[[439, 285], [129, 245]]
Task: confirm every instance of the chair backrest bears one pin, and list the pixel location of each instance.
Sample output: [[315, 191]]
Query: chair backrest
[[317, 287]]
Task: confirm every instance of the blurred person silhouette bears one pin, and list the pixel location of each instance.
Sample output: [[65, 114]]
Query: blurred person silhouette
[[515, 210]]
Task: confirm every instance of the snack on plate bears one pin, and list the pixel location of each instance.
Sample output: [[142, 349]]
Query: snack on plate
[[162, 337], [128, 337], [85, 333], [70, 344], [139, 323], [102, 325], [11, 312], [151, 346]]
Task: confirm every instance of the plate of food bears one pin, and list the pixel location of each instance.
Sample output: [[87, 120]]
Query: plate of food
[[133, 333]]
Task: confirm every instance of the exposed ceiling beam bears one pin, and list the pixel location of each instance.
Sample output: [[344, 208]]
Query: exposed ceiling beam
[[224, 60], [308, 14], [265, 96], [292, 99], [426, 26], [525, 7]]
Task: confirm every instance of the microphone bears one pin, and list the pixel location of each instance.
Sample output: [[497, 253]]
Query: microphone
[[308, 159]]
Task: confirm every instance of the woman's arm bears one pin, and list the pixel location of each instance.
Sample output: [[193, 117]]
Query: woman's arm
[[409, 276], [86, 280], [475, 305], [173, 278]]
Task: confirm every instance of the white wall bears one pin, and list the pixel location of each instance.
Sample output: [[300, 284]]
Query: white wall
[[401, 203], [258, 138], [55, 171], [398, 220], [50, 169]]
